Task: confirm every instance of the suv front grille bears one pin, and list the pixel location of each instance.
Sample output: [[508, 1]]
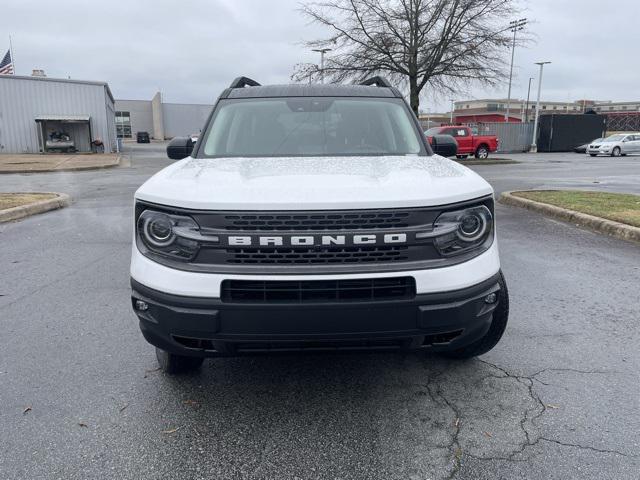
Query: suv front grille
[[277, 256], [318, 221], [317, 291], [263, 240]]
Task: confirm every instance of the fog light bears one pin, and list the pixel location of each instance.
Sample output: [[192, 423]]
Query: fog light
[[142, 306], [491, 298]]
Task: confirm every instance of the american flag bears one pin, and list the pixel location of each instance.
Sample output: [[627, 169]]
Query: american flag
[[6, 65]]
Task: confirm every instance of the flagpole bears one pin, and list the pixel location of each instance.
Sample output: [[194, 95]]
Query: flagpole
[[13, 58]]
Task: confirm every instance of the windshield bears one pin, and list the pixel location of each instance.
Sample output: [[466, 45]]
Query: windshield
[[614, 138], [310, 126], [432, 131]]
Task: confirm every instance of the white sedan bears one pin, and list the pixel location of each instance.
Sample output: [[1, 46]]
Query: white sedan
[[616, 145]]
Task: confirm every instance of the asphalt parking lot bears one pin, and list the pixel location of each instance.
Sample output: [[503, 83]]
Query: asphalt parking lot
[[81, 396]]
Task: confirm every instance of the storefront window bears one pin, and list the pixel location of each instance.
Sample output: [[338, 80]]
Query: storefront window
[[123, 124]]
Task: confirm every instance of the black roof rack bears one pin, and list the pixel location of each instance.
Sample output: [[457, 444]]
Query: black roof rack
[[242, 82], [377, 81]]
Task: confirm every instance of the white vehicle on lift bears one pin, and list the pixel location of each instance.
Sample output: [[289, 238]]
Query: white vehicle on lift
[[616, 145], [314, 217]]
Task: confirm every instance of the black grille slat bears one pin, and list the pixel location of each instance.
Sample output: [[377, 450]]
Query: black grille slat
[[396, 253], [313, 291], [317, 222]]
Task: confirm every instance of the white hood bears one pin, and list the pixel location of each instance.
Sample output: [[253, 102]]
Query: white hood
[[312, 183]]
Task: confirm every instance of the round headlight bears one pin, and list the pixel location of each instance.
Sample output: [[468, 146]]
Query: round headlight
[[158, 229], [472, 225]]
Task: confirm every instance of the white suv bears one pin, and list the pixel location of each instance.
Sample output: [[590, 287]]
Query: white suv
[[314, 217]]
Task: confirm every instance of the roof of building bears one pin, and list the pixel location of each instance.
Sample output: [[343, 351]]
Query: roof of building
[[60, 80], [517, 100], [613, 104], [310, 90], [63, 118]]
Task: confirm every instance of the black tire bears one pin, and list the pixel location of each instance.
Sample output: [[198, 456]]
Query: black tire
[[172, 364], [593, 154], [482, 152], [616, 152], [493, 336]]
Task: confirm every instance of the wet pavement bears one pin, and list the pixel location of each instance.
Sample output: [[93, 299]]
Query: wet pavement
[[81, 396]]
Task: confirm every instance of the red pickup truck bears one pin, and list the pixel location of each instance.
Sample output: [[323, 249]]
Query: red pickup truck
[[468, 144]]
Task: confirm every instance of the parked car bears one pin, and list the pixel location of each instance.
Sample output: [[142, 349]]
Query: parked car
[[330, 225], [468, 143], [616, 145], [583, 148], [143, 137]]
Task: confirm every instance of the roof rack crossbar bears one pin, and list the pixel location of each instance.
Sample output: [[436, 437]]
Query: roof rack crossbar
[[242, 82], [377, 81]]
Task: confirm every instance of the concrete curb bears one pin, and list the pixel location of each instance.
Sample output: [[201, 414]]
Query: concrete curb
[[598, 224], [15, 213], [79, 168]]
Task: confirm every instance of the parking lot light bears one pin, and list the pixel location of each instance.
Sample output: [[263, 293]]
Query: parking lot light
[[514, 27], [534, 146]]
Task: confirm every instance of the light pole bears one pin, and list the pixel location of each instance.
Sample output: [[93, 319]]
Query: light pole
[[534, 146], [451, 116], [514, 27], [322, 51], [526, 110]]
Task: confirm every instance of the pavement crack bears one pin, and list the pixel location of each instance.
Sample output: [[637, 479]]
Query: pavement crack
[[585, 447], [538, 411], [454, 445], [572, 370]]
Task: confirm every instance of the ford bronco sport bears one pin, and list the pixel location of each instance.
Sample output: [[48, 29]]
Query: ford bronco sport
[[312, 218]]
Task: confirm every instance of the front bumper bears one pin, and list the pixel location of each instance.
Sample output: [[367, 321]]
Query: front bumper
[[599, 151], [201, 326]]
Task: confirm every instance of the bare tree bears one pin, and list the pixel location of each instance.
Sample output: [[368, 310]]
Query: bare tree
[[445, 44]]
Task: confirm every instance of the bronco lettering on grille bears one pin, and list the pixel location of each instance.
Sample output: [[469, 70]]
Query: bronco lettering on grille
[[315, 240]]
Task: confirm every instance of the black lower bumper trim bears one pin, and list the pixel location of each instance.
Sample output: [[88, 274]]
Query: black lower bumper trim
[[210, 327]]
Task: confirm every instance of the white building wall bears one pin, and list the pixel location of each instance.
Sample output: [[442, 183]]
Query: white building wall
[[23, 98], [169, 119], [140, 114], [181, 120]]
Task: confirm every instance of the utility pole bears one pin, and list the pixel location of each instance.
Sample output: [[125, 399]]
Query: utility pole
[[322, 51], [526, 110], [451, 116], [514, 27], [534, 146]]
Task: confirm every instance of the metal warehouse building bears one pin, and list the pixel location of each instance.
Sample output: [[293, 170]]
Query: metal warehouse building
[[36, 111], [160, 120]]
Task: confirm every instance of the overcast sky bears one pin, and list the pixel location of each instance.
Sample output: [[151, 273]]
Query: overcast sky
[[191, 50]]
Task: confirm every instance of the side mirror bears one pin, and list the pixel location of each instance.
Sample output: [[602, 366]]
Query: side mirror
[[444, 145], [179, 148]]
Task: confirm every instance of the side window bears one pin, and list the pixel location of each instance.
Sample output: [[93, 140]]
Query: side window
[[449, 131], [461, 132]]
